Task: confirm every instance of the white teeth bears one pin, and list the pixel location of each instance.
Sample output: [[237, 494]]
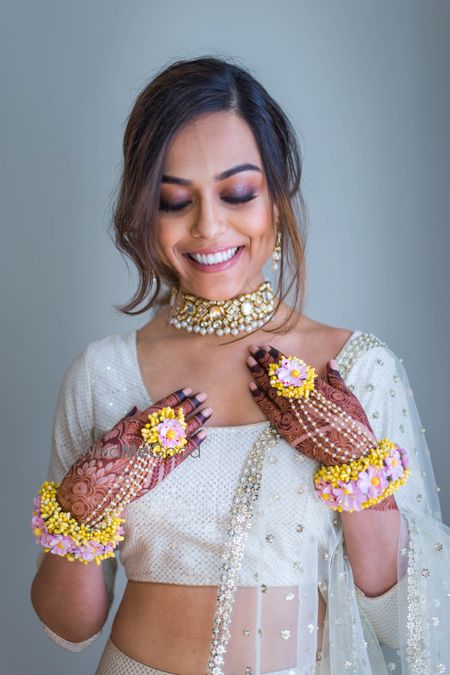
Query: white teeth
[[214, 258]]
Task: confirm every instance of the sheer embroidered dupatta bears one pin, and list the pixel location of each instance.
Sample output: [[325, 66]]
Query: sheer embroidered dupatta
[[288, 603]]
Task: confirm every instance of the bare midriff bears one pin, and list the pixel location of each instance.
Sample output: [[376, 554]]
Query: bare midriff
[[169, 627]]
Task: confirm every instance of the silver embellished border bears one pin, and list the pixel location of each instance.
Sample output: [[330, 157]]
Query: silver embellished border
[[241, 513], [353, 350], [416, 631]]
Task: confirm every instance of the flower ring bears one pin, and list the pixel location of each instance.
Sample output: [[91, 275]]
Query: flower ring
[[292, 377], [165, 432]]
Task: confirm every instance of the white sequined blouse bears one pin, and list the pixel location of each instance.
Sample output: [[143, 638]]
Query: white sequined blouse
[[103, 382]]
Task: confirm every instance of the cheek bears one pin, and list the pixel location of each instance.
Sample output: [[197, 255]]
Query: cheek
[[166, 241], [258, 225], [261, 236]]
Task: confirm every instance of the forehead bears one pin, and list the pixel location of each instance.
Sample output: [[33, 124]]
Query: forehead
[[209, 144]]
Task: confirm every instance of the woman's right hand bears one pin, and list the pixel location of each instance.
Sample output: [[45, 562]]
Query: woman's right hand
[[90, 478]]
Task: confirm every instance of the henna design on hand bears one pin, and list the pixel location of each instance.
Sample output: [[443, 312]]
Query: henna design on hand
[[331, 387], [278, 410], [88, 480]]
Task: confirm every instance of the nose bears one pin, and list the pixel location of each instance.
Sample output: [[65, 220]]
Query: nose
[[209, 223]]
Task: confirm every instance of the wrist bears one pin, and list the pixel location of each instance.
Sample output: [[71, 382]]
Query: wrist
[[366, 482], [59, 533]]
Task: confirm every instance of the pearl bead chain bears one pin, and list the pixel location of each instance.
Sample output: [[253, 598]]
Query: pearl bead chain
[[325, 405], [343, 417], [312, 434], [136, 473]]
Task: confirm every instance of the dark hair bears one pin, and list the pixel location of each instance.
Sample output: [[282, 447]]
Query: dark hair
[[179, 93]]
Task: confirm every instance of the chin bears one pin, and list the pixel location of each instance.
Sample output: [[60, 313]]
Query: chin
[[219, 289]]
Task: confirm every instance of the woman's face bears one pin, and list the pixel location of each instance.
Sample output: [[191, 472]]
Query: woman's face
[[215, 225]]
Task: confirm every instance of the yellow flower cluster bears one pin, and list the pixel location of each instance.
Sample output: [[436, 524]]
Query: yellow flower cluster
[[350, 472], [346, 472], [291, 391], [59, 522], [391, 488], [152, 435]]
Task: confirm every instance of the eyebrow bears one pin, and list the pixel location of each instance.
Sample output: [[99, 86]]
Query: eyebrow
[[221, 176]]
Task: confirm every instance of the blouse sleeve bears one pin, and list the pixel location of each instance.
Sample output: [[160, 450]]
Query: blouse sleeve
[[72, 435], [380, 382]]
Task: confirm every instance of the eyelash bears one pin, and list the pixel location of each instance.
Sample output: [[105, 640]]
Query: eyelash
[[166, 206]]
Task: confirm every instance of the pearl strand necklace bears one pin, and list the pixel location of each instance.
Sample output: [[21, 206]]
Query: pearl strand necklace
[[241, 314]]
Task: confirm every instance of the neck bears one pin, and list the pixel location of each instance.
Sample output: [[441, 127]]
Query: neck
[[238, 315]]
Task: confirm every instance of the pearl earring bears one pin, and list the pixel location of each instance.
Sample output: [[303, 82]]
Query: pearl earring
[[276, 255]]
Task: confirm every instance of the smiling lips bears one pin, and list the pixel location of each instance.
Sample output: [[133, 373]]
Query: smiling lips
[[215, 259]]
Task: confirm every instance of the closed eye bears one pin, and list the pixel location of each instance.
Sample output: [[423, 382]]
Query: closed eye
[[170, 206]]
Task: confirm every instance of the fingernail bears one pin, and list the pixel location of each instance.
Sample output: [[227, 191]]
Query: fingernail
[[202, 396], [334, 364], [187, 391], [253, 386], [201, 434], [253, 349], [251, 361], [207, 412]]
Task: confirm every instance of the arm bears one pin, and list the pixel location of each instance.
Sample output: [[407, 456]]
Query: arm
[[72, 600], [371, 542], [372, 536], [378, 550]]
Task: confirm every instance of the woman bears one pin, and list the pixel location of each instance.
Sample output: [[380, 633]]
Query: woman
[[237, 556]]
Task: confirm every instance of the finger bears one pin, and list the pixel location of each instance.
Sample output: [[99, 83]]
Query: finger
[[334, 377], [274, 353], [259, 374], [196, 421], [266, 354], [130, 413], [195, 441], [265, 403], [173, 400], [262, 379], [191, 403]]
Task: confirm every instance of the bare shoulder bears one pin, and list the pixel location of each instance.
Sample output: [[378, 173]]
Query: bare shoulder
[[156, 328], [323, 338]]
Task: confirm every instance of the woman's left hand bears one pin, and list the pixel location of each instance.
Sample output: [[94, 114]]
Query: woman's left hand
[[295, 427], [307, 428]]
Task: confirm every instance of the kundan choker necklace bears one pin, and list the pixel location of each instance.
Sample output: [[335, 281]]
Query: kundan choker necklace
[[241, 314]]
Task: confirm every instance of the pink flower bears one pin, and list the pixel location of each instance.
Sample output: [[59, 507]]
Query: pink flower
[[404, 454], [372, 482], [326, 493], [291, 373], [63, 545], [170, 433], [394, 467], [348, 496], [38, 526], [90, 550]]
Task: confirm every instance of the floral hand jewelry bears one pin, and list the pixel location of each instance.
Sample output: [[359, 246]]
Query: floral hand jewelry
[[323, 419], [81, 517]]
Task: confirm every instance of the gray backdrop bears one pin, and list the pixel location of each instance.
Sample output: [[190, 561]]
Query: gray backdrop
[[366, 85]]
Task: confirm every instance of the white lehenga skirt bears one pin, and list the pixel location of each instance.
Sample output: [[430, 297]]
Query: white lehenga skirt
[[114, 661]]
